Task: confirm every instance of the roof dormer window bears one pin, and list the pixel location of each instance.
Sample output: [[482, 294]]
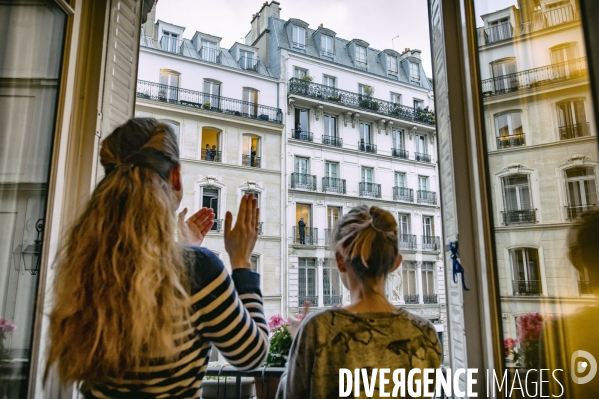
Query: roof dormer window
[[299, 37], [414, 72], [169, 42], [361, 55], [326, 45], [392, 65]]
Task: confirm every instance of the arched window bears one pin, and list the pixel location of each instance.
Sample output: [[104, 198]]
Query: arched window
[[169, 85], [250, 153]]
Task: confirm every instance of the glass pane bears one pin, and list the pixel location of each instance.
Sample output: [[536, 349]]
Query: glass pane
[[33, 34], [539, 190]]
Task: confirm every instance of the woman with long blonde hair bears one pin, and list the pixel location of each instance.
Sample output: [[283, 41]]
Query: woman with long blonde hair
[[136, 312]]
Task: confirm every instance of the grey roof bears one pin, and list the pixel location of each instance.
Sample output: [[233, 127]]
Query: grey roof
[[342, 54]]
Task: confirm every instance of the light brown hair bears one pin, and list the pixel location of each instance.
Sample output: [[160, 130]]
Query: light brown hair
[[120, 291], [366, 238]]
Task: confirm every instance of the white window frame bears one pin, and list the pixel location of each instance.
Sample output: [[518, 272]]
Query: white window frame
[[326, 45], [298, 162], [398, 137], [299, 72], [330, 125], [392, 65], [518, 191], [361, 55], [303, 265], [404, 225], [367, 173], [396, 98], [414, 72], [327, 80], [329, 167], [400, 179], [298, 37]]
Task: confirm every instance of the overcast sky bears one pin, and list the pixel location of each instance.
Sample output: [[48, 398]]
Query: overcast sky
[[375, 21]]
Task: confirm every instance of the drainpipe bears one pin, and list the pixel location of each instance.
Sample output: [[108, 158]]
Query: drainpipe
[[284, 201]]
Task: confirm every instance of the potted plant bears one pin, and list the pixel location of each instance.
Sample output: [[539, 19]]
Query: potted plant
[[280, 344], [335, 98], [6, 327], [525, 350], [307, 78], [162, 95], [206, 105]]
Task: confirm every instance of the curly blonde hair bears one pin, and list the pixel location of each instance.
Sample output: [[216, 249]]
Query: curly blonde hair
[[120, 290]]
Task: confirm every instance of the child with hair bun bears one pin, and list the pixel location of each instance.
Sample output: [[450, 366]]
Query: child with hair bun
[[370, 333]]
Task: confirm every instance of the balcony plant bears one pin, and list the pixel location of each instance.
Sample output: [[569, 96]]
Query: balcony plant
[[162, 95], [206, 105], [6, 327], [306, 78], [335, 98], [525, 350]]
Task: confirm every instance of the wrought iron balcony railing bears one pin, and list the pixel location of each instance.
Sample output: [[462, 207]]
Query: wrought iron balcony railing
[[400, 153], [332, 140], [431, 298], [260, 228], [411, 299], [210, 55], [210, 102], [302, 135], [171, 45], [218, 225], [403, 194], [356, 100], [527, 287], [303, 181], [574, 131], [305, 235], [333, 185], [366, 147], [248, 160], [418, 156], [559, 16], [370, 190], [252, 65], [328, 300], [327, 236], [301, 299], [211, 155], [535, 77], [407, 241], [585, 288], [575, 211], [431, 243], [519, 217], [497, 33], [426, 197], [511, 141]]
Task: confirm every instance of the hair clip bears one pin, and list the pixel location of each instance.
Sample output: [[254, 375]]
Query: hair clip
[[125, 165]]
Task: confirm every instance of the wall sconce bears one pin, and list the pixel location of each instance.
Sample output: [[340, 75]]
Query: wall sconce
[[29, 259]]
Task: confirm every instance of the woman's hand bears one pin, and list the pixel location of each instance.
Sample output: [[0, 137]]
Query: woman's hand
[[240, 241], [296, 321], [193, 231]]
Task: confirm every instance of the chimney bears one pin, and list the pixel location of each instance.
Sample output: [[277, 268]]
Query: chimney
[[321, 25], [526, 9], [260, 20]]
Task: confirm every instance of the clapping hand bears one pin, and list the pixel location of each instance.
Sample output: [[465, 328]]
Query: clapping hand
[[240, 240], [193, 230], [296, 321]]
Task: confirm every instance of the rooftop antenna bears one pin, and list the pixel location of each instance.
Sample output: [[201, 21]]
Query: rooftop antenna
[[393, 44]]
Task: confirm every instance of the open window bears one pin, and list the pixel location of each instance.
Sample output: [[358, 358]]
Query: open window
[[211, 147], [307, 284], [169, 86], [509, 130], [581, 187], [525, 272], [211, 199], [250, 155]]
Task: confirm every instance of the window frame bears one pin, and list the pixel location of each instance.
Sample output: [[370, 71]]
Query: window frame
[[390, 60], [306, 267], [301, 33], [324, 47], [361, 50], [414, 72]]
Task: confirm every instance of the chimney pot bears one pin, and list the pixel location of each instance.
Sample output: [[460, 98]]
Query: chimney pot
[[321, 25]]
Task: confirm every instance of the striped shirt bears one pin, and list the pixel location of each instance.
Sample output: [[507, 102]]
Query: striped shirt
[[225, 313]]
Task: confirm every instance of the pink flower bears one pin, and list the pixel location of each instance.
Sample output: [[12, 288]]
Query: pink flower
[[7, 326], [275, 322], [529, 328], [508, 345]]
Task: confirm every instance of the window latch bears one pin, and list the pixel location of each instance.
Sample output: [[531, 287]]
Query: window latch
[[457, 267]]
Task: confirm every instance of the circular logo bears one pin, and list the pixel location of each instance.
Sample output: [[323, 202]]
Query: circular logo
[[579, 366]]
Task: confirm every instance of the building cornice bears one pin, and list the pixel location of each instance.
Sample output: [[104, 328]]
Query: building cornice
[[529, 148], [536, 91], [223, 165], [535, 226]]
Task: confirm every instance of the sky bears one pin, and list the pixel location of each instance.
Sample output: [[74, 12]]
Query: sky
[[374, 21]]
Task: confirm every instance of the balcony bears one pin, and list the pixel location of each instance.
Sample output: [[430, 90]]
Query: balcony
[[355, 100], [536, 77], [252, 65], [403, 194], [248, 160], [407, 241], [432, 298], [217, 226], [302, 135], [418, 156], [210, 55], [260, 228], [399, 153], [171, 45], [333, 185], [411, 299], [527, 287], [498, 33], [209, 102], [519, 217], [211, 155], [559, 16], [585, 288], [370, 190], [511, 141], [574, 131], [305, 236], [302, 299], [431, 243], [332, 140], [329, 300], [303, 181], [575, 212], [366, 147], [426, 197]]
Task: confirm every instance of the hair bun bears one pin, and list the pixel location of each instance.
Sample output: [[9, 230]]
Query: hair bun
[[382, 220]]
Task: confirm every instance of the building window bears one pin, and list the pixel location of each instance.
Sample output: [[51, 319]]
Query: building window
[[572, 119], [410, 283], [392, 65], [365, 134], [211, 145], [303, 231], [329, 81], [582, 191], [251, 151], [247, 60], [250, 104], [331, 283], [302, 165], [254, 263], [564, 63], [414, 72], [427, 273], [208, 51], [404, 224], [509, 130], [256, 195], [302, 177], [307, 291], [326, 45], [396, 98], [300, 72], [559, 12], [330, 126], [498, 30], [584, 282], [418, 104], [504, 75], [210, 199], [333, 214], [398, 139], [428, 226], [525, 268], [299, 37], [517, 198], [421, 147], [169, 42], [331, 170], [169, 86], [367, 175], [400, 179], [211, 94], [361, 55], [301, 120]]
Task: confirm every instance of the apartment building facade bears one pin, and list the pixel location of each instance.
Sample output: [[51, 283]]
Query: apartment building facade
[[541, 146], [358, 131], [223, 106]]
